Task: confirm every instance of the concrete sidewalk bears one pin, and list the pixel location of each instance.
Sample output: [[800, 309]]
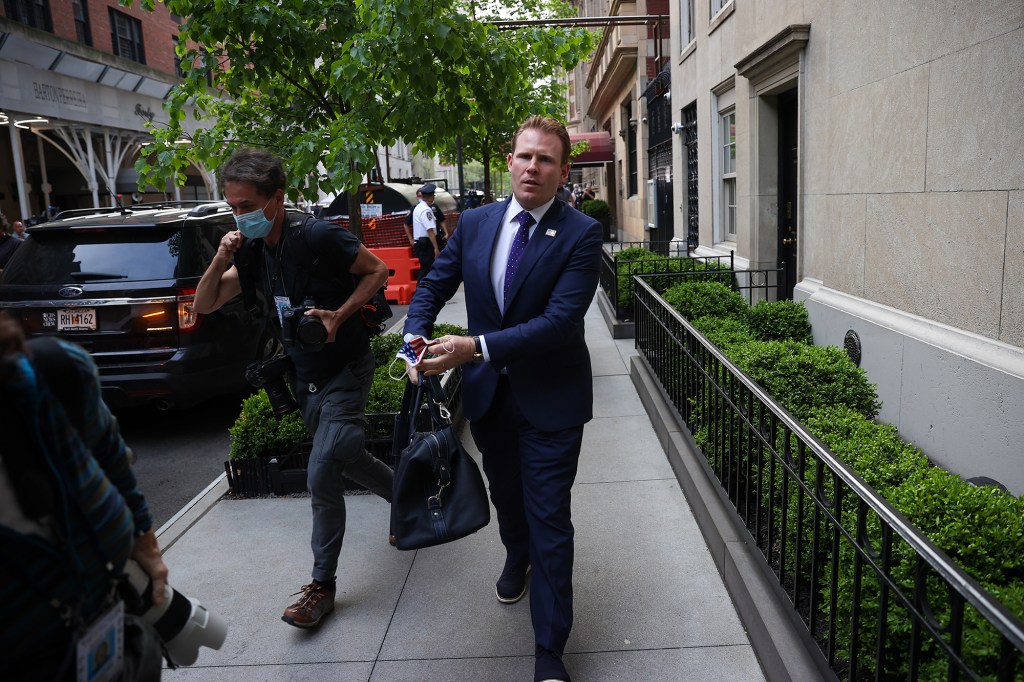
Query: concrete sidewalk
[[649, 602]]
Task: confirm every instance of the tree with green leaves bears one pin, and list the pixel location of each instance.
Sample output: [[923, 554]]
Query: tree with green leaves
[[493, 121], [323, 83]]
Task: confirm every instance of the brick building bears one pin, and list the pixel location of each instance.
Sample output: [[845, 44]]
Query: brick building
[[80, 79]]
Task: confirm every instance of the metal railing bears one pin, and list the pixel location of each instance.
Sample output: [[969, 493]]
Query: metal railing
[[881, 600], [617, 276]]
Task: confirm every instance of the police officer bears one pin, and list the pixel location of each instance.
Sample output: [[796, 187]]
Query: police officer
[[424, 229]]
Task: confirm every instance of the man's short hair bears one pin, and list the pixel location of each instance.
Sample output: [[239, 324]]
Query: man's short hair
[[548, 125], [256, 167]]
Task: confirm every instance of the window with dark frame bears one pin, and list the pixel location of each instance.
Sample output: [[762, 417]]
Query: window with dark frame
[[692, 186], [81, 13], [126, 36], [34, 13]]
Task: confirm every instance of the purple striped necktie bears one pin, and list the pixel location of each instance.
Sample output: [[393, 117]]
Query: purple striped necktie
[[526, 220]]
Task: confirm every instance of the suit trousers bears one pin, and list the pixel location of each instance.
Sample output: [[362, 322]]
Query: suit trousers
[[530, 474], [336, 416]]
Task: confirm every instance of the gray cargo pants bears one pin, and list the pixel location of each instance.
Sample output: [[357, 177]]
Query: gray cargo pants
[[336, 416]]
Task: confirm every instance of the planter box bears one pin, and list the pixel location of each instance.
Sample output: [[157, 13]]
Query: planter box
[[286, 474]]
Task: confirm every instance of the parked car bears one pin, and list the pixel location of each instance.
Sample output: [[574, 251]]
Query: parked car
[[120, 283]]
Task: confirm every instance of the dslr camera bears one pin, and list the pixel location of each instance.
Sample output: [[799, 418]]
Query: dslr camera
[[182, 623], [269, 375], [306, 331]]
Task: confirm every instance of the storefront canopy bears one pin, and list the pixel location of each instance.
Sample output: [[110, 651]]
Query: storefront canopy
[[600, 151]]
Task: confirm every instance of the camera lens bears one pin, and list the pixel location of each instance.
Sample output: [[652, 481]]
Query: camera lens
[[310, 332], [281, 400]]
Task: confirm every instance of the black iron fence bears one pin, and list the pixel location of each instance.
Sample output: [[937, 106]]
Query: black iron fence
[[881, 600], [617, 273]]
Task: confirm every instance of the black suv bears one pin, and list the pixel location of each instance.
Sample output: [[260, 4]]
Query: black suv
[[120, 282]]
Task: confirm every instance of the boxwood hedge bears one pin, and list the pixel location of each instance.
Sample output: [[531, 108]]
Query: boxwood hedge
[[980, 528]]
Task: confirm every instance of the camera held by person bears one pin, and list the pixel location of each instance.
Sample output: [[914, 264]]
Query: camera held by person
[[306, 331], [269, 375], [182, 623]]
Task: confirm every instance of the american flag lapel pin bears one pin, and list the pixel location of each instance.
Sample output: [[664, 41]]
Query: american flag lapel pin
[[551, 233]]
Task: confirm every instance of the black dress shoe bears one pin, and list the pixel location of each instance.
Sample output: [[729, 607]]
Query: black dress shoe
[[511, 585], [548, 667]]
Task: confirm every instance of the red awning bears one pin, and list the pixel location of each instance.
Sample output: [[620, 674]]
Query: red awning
[[600, 149]]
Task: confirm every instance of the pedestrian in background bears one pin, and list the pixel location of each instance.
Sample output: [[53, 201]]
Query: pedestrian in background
[[18, 230], [529, 267], [565, 194], [8, 242]]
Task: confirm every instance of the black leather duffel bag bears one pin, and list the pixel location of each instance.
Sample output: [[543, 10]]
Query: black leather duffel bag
[[439, 494]]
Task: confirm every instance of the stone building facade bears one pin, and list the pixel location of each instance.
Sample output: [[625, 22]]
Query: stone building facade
[[873, 150]]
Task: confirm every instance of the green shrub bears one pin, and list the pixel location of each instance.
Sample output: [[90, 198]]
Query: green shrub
[[446, 329], [694, 300], [724, 332], [385, 348], [258, 433], [804, 378], [634, 253], [873, 450], [637, 261], [980, 528], [627, 262], [780, 321], [597, 209]]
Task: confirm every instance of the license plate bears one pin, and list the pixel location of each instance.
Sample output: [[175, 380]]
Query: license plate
[[76, 319]]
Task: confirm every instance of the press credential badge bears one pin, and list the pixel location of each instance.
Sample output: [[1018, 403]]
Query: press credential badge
[[100, 651]]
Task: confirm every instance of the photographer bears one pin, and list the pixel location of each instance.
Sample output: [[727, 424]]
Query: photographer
[[318, 277], [71, 515]]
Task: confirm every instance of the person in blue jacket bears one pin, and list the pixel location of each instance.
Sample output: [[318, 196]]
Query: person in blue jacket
[[529, 267]]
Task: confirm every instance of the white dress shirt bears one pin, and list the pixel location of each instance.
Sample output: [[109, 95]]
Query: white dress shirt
[[503, 245]]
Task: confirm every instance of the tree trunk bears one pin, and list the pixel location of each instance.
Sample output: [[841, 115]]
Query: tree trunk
[[355, 217], [485, 155]]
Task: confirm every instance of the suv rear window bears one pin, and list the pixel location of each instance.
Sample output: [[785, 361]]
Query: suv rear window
[[135, 253]]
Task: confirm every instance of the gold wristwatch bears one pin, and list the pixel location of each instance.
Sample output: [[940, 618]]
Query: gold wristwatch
[[478, 350]]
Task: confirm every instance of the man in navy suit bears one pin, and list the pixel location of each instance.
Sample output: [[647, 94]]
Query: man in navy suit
[[530, 267]]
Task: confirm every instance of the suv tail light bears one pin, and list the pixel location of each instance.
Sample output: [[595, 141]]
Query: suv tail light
[[188, 318]]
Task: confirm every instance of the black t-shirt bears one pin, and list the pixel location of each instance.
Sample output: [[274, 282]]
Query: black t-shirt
[[316, 269]]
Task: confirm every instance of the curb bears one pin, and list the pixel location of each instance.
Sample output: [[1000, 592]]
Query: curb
[[618, 330], [187, 516]]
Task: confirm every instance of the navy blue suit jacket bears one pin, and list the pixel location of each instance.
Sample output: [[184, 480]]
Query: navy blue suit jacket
[[539, 338]]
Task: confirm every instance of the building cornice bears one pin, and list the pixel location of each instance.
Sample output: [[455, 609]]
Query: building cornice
[[779, 49]]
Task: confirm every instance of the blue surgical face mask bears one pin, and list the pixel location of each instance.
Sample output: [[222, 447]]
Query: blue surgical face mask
[[255, 224]]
